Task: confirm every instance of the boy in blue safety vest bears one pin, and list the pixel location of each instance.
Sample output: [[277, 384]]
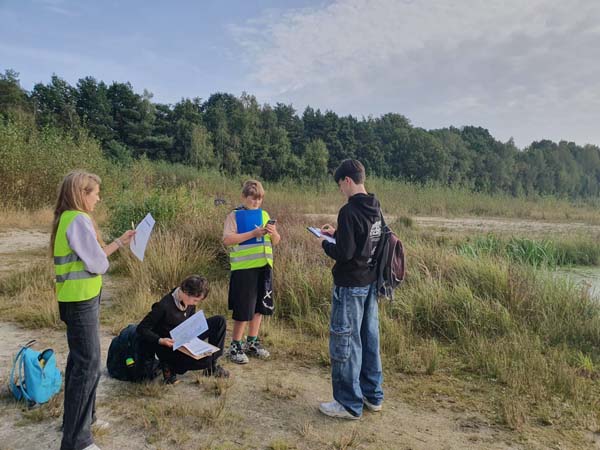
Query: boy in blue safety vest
[[250, 235]]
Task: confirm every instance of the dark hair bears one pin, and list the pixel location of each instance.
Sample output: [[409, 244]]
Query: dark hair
[[195, 285], [352, 168]]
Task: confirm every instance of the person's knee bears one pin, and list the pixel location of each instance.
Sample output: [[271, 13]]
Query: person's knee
[[220, 323]]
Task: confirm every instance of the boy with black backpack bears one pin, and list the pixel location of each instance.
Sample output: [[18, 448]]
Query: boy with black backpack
[[356, 372]]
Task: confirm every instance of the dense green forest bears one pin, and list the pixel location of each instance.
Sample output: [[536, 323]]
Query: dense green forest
[[237, 135]]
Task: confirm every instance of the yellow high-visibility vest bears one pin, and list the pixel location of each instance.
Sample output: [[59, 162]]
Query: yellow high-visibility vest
[[251, 255], [73, 282]]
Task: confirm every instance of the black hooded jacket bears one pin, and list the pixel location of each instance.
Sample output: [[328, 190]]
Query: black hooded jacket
[[357, 235]]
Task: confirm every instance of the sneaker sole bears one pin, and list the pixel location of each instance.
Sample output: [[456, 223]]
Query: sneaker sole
[[346, 416], [257, 356], [238, 362], [373, 408]]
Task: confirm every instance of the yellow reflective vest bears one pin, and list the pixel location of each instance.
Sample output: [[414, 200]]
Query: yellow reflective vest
[[252, 253], [73, 282]]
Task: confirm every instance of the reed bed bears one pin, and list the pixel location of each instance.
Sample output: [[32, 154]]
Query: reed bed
[[476, 308]]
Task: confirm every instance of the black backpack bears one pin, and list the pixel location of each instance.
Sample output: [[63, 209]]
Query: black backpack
[[127, 360], [391, 262]]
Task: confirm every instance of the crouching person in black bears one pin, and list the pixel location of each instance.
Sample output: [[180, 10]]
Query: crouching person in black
[[170, 311]]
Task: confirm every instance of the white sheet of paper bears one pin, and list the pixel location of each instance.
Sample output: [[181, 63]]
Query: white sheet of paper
[[198, 347], [189, 329], [140, 241], [317, 233]]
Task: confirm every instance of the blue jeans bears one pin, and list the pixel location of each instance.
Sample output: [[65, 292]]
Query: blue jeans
[[354, 347], [83, 371]]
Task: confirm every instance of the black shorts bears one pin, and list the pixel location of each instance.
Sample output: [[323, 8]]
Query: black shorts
[[250, 292]]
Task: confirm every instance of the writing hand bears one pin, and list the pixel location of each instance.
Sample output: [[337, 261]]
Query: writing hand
[[127, 236], [327, 229]]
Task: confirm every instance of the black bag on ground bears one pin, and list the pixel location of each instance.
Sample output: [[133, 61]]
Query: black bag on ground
[[126, 360], [391, 262]]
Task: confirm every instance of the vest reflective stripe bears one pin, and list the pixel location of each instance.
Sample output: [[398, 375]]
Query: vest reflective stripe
[[66, 259], [239, 248], [259, 256], [75, 276], [250, 256], [73, 282]]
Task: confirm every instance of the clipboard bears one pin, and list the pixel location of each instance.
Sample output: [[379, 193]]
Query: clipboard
[[317, 233]]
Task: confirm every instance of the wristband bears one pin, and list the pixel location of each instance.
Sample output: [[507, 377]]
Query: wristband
[[119, 243]]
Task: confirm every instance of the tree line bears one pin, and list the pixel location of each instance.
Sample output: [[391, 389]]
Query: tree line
[[238, 135]]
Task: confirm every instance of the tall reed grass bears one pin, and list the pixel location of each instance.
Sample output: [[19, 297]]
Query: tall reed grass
[[462, 308], [577, 250]]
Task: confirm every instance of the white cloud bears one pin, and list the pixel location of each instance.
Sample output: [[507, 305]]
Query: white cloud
[[522, 69], [60, 7]]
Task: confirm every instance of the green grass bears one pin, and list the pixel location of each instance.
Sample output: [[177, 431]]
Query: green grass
[[545, 252], [477, 308]]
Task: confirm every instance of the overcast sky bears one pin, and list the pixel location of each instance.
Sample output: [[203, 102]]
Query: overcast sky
[[523, 69]]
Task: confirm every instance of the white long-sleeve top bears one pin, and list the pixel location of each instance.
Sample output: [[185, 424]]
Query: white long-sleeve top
[[82, 240]]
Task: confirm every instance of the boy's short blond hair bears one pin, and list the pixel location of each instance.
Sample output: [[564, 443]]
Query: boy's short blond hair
[[253, 188]]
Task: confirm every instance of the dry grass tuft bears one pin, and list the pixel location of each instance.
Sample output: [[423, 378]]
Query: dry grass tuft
[[280, 444], [28, 297], [41, 413], [347, 441], [218, 387], [169, 258], [25, 219], [430, 355], [279, 390], [513, 412]]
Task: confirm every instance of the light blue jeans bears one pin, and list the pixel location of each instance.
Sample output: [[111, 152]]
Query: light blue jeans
[[354, 347]]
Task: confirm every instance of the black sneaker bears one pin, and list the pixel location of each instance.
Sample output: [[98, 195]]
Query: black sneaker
[[236, 354], [254, 348], [169, 377], [217, 371]]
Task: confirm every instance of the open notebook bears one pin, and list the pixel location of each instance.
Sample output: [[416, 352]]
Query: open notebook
[[198, 349]]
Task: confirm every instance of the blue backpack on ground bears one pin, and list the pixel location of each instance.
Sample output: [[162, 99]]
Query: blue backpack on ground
[[34, 375]]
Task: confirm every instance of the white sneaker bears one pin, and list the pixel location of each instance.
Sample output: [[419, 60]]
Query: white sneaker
[[334, 409], [371, 407], [100, 424], [92, 447]]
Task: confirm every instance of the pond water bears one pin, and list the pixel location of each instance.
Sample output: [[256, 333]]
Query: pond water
[[584, 276]]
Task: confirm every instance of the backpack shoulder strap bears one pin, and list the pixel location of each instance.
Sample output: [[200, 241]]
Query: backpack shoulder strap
[[18, 390], [381, 243], [14, 387]]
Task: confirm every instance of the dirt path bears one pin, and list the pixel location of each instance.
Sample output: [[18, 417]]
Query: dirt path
[[272, 401], [267, 404], [486, 225], [18, 246]]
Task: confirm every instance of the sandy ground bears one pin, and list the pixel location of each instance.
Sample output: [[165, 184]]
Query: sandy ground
[[18, 246], [261, 417], [273, 404]]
